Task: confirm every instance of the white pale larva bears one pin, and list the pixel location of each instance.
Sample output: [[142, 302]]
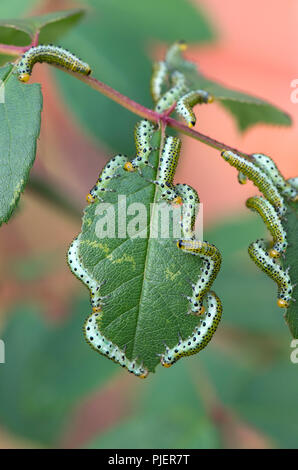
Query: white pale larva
[[190, 201], [186, 103], [82, 274], [261, 180], [108, 172], [52, 55], [211, 265], [143, 133], [269, 167], [172, 95], [158, 79], [105, 347], [272, 222], [201, 335], [166, 171], [257, 252]]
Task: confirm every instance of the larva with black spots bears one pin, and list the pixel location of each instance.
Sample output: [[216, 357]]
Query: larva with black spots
[[272, 222], [173, 55], [190, 201], [105, 347], [201, 335], [173, 94], [185, 104], [211, 265], [158, 79], [52, 55], [269, 167], [143, 133], [109, 172], [82, 274], [257, 252], [260, 179], [166, 170]]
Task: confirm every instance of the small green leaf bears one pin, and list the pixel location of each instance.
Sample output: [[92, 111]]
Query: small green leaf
[[291, 261], [20, 125], [247, 110], [51, 26]]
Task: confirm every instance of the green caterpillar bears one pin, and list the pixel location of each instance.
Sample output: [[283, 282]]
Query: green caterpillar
[[257, 252], [52, 55], [261, 180], [187, 102], [211, 265], [272, 222], [201, 335]]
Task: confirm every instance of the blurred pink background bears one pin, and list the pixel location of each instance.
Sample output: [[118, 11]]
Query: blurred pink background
[[257, 52]]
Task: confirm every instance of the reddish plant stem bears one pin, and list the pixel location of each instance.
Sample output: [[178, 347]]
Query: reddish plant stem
[[147, 113], [19, 50], [13, 50]]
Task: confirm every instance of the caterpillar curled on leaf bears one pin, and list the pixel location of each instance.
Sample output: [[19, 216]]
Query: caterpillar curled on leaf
[[211, 265], [260, 179], [105, 347], [166, 170], [187, 102], [272, 222], [190, 201], [82, 274], [201, 335], [158, 79], [172, 95], [269, 167], [109, 172], [143, 134], [257, 252], [52, 55]]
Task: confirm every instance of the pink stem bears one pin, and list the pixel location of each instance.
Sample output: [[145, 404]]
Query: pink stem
[[13, 50], [151, 115]]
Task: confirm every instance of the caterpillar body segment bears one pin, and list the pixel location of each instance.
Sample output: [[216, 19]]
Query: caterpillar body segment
[[105, 347], [272, 222], [52, 55], [83, 275], [108, 172], [173, 94], [190, 201], [143, 133], [269, 167], [166, 170], [260, 179], [211, 265], [257, 252], [186, 103], [201, 335], [158, 79]]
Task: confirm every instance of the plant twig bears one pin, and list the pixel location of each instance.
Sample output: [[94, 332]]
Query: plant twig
[[147, 113]]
